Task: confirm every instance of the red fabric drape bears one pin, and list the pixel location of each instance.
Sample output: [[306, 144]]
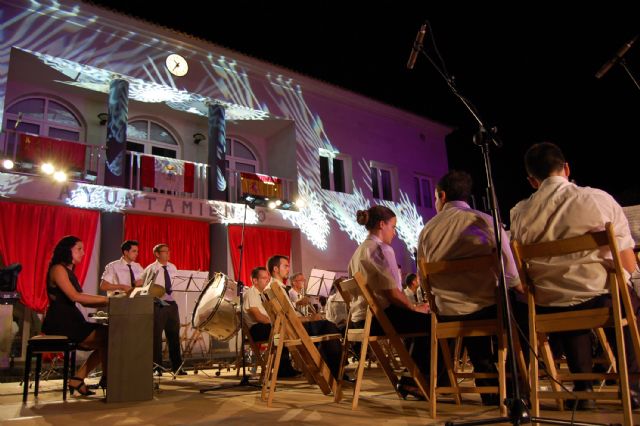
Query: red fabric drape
[[38, 149], [187, 239], [259, 245], [28, 234]]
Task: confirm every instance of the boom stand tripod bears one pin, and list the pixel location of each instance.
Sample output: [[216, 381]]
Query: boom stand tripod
[[244, 381], [517, 409]]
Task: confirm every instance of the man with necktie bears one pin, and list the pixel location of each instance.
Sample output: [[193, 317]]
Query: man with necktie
[[165, 310], [123, 274]]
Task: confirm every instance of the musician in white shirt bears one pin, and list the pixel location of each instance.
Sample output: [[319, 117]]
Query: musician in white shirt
[[125, 273], [165, 310], [297, 291]]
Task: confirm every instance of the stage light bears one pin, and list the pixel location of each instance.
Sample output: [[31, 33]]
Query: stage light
[[7, 164], [300, 203], [198, 137], [103, 117], [271, 205], [60, 176], [47, 168], [278, 203]]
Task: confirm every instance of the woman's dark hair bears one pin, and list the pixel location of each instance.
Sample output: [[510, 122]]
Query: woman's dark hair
[[372, 217], [62, 252]]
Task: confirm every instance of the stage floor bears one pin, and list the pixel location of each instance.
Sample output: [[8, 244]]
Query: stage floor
[[179, 402]]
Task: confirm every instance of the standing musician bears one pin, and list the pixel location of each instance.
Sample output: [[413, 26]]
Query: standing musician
[[165, 311], [125, 273]]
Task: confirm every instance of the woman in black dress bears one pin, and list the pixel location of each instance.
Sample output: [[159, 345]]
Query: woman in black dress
[[63, 316]]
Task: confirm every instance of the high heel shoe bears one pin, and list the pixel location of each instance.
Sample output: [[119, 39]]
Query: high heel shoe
[[81, 387]]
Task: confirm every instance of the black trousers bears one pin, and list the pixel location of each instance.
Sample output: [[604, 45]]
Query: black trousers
[[482, 350], [167, 319], [406, 321], [331, 350], [576, 345], [260, 332]]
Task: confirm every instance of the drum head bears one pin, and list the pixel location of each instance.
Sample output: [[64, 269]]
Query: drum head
[[214, 312]]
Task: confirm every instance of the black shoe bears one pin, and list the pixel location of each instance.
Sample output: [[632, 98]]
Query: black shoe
[[157, 372], [180, 372], [490, 399], [635, 399], [580, 404], [404, 390], [346, 378], [288, 373]]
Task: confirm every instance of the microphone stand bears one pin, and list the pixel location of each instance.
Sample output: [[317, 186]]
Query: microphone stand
[[245, 380], [623, 64], [518, 412]]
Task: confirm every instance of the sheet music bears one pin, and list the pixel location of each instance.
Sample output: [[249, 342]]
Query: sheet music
[[320, 282]]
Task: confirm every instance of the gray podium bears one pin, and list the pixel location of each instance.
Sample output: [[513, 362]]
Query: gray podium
[[129, 377]]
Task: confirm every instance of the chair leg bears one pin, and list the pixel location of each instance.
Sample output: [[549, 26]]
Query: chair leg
[[433, 371], [623, 368], [361, 363], [549, 362], [37, 374], [27, 372], [65, 374], [274, 373]]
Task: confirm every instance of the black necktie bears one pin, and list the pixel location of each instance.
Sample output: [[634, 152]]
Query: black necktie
[[133, 277], [167, 280]]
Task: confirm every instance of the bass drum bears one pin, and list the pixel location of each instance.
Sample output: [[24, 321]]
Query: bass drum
[[215, 312]]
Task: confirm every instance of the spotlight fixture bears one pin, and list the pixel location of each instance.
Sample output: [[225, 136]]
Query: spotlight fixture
[[278, 203], [300, 203], [103, 117], [7, 164], [272, 205], [198, 137], [60, 176], [47, 168]]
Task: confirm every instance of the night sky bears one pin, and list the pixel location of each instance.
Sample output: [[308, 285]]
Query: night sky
[[529, 69]]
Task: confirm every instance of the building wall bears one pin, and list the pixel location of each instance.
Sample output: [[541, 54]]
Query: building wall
[[301, 115]]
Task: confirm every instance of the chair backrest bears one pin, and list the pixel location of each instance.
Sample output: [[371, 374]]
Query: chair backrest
[[374, 305], [587, 242], [427, 269]]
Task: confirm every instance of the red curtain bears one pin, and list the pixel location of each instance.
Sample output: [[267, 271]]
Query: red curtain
[[28, 234], [38, 149], [187, 239], [259, 245]]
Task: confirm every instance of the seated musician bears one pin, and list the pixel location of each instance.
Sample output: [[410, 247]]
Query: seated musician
[[561, 209], [278, 266], [459, 232], [297, 293], [336, 308], [63, 317], [376, 251], [412, 289], [257, 318]]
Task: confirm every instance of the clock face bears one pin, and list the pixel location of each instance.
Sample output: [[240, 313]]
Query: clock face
[[177, 65]]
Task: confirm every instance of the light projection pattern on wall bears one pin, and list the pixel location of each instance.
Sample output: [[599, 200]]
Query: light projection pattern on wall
[[230, 214], [101, 198], [97, 79], [9, 183], [338, 206], [311, 219]]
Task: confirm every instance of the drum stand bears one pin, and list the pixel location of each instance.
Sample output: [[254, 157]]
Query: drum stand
[[244, 381]]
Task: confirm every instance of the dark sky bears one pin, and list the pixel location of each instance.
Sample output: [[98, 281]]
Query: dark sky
[[529, 69]]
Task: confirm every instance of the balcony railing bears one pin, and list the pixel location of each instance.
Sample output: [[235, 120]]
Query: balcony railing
[[143, 172], [79, 160]]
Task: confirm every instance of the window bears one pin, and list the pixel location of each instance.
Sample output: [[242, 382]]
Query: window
[[240, 157], [424, 191], [45, 117], [335, 171], [148, 137], [383, 181]]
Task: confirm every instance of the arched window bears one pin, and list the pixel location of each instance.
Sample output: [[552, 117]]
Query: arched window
[[45, 117], [149, 137], [240, 157]]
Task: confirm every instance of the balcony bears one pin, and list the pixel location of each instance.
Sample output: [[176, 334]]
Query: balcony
[[148, 173]]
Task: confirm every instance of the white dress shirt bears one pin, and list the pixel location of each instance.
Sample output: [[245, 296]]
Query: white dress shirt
[[459, 232], [117, 272], [383, 258], [560, 209], [158, 267], [252, 298]]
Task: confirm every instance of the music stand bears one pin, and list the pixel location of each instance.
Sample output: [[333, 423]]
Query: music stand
[[182, 282], [317, 284], [244, 381]]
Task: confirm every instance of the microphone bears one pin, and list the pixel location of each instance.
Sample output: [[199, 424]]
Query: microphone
[[417, 46], [617, 58]]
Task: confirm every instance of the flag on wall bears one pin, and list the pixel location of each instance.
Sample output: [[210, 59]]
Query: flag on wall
[[261, 185], [167, 174], [62, 154]]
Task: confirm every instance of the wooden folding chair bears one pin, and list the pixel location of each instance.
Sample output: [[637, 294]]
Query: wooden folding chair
[[542, 324], [288, 331], [349, 289], [390, 335], [441, 331]]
